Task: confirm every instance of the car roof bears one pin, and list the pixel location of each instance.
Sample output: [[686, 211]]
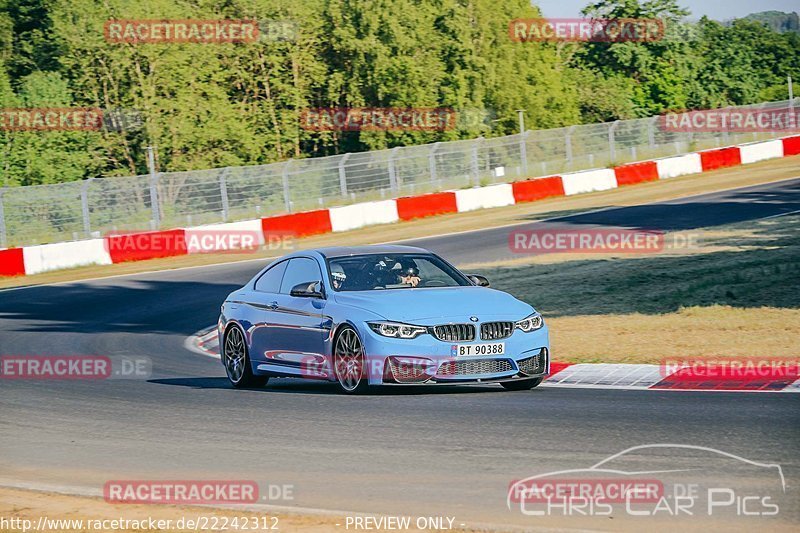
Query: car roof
[[344, 251]]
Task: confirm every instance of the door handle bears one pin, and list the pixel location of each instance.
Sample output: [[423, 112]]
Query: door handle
[[272, 306]]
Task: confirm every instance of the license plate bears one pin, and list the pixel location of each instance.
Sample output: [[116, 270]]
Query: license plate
[[493, 348]]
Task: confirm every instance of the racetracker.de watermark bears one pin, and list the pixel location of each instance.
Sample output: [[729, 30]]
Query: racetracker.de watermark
[[68, 119], [733, 120], [379, 119], [181, 31], [565, 239], [586, 30], [197, 241], [608, 490], [733, 367], [145, 31], [182, 492], [74, 367]]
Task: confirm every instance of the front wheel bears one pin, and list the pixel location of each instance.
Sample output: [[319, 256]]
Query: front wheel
[[349, 362], [522, 384], [237, 361]]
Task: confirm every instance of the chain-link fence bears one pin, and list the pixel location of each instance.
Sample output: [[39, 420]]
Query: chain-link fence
[[77, 210]]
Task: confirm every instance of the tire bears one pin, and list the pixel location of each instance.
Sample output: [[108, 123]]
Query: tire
[[237, 361], [521, 384], [349, 362]]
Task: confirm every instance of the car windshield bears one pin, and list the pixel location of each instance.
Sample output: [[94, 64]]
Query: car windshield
[[392, 271]]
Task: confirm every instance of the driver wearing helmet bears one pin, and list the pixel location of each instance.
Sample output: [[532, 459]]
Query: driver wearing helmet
[[338, 275], [407, 272]]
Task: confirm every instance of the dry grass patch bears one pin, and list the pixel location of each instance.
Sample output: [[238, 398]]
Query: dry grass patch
[[714, 331]]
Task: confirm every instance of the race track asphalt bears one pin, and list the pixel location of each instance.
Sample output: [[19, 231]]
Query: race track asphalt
[[448, 451]]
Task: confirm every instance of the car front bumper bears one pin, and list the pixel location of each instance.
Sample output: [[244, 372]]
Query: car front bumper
[[428, 361]]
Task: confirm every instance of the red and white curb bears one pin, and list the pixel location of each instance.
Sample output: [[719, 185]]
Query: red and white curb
[[621, 376], [168, 243], [204, 342]]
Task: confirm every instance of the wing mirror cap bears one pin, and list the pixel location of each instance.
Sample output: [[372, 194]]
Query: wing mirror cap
[[480, 281], [308, 289]]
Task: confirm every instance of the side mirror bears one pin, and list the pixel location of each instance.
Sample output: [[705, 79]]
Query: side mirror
[[480, 281], [308, 289]]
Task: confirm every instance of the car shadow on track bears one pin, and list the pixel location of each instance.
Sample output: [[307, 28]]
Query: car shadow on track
[[715, 209], [122, 306], [299, 386]]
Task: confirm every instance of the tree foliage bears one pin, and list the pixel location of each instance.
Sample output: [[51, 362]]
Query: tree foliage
[[213, 105]]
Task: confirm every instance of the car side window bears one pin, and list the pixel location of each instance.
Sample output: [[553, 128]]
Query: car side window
[[431, 274], [270, 281], [300, 270]]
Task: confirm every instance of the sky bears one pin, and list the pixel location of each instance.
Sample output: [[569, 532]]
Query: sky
[[715, 9]]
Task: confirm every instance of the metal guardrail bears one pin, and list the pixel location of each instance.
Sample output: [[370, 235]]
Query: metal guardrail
[[78, 210]]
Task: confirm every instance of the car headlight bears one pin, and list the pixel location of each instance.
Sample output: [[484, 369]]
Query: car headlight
[[531, 323], [397, 330]]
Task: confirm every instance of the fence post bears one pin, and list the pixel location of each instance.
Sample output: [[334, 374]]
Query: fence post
[[523, 152], [154, 201], [223, 192], [651, 132], [476, 178], [287, 202], [568, 143], [151, 163], [87, 225], [432, 161], [611, 141], [3, 239], [393, 182], [343, 175]]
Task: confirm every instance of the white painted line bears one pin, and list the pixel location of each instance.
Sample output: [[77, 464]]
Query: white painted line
[[780, 215], [193, 341]]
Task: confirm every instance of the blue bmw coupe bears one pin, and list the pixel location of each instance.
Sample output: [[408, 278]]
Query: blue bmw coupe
[[379, 315]]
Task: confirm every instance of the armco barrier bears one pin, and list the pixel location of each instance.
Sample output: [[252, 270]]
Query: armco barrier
[[60, 255], [720, 158], [438, 203], [636, 173], [760, 151], [791, 145], [359, 215], [484, 197], [148, 245], [12, 262], [588, 181], [538, 188], [672, 167], [246, 228], [298, 224]]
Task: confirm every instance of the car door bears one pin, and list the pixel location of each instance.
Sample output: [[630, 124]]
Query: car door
[[299, 333], [262, 303]]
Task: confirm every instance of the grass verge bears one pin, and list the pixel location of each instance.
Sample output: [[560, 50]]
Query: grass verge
[[736, 295]]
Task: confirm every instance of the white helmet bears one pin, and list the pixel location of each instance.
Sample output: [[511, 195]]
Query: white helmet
[[337, 273]]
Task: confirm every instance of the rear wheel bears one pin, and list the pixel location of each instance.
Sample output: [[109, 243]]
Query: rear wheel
[[237, 361], [349, 362], [521, 384]]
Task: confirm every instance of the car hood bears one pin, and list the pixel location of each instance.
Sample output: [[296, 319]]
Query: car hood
[[432, 306]]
